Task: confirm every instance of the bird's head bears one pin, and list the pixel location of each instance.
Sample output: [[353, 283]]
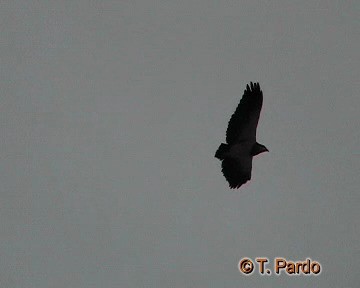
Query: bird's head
[[258, 148]]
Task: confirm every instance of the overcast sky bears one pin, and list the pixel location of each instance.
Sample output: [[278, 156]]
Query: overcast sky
[[111, 113]]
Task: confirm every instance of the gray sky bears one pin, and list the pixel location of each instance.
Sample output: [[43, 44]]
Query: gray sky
[[111, 112]]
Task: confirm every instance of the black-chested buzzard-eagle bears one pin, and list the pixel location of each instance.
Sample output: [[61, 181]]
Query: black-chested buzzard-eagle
[[241, 147]]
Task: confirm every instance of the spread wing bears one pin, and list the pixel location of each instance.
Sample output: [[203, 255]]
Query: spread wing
[[237, 172], [243, 123]]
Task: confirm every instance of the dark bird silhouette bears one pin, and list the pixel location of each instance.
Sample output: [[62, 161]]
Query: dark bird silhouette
[[241, 147]]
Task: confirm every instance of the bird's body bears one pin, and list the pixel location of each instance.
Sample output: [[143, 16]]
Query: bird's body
[[237, 154]]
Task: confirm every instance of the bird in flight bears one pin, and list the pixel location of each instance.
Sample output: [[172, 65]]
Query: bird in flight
[[241, 147]]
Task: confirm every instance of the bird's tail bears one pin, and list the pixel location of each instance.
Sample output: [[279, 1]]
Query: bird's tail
[[222, 150]]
